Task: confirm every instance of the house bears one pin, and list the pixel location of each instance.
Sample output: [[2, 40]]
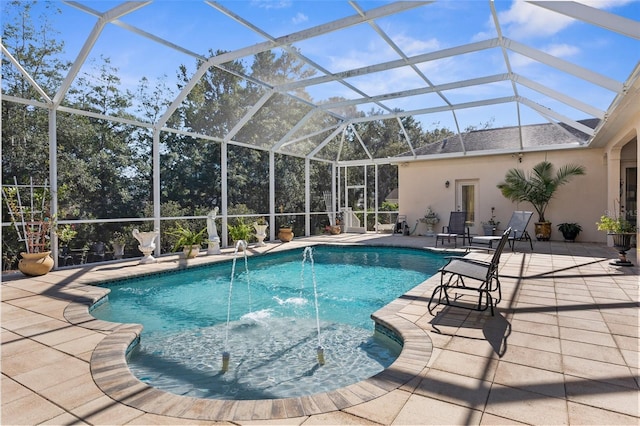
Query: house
[[464, 170]]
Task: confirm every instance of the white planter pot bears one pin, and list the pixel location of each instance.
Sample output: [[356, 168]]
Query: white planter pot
[[191, 251], [261, 234]]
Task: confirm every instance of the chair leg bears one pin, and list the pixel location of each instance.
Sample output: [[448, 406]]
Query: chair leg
[[490, 303], [439, 290]]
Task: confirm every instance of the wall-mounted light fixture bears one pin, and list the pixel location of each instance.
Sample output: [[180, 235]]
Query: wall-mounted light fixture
[[520, 155], [446, 184]]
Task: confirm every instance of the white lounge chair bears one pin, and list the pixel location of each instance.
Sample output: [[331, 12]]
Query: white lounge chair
[[518, 225]]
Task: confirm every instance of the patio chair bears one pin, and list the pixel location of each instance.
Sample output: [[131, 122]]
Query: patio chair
[[462, 277], [65, 257], [455, 229], [97, 252], [518, 225]]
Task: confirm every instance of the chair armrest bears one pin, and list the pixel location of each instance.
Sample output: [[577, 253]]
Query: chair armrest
[[486, 247], [474, 261]]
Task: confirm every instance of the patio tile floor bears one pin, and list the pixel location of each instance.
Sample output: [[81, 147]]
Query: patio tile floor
[[563, 348]]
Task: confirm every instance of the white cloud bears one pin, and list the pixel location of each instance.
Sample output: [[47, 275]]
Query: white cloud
[[412, 46], [605, 4], [524, 20], [562, 50], [271, 4], [299, 18]]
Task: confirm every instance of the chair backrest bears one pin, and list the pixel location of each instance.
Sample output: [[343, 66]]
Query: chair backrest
[[456, 222], [98, 247], [495, 260], [519, 222]]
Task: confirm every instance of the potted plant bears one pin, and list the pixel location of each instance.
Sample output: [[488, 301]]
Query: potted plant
[[285, 233], [188, 239], [240, 231], [489, 227], [32, 223], [570, 230], [621, 231], [430, 219], [537, 188], [118, 242]]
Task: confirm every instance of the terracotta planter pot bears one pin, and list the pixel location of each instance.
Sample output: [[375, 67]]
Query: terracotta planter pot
[[543, 231], [285, 235], [35, 264]]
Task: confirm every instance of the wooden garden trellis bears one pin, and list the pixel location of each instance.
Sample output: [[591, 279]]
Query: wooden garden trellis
[[31, 221]]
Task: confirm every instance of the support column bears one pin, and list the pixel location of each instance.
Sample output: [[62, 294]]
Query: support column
[[156, 186], [53, 182], [307, 197], [223, 188], [613, 185], [272, 196]]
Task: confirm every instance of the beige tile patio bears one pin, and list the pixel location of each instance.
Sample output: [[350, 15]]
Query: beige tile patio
[[616, 399], [526, 407], [593, 352], [601, 371], [534, 358], [530, 379], [73, 392], [382, 410], [338, 418], [41, 378], [527, 354], [105, 411], [420, 410], [532, 341], [465, 364], [12, 390], [26, 361], [580, 414], [29, 410], [454, 388], [493, 420]]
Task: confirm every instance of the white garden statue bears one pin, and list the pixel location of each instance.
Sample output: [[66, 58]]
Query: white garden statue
[[147, 244], [214, 240]]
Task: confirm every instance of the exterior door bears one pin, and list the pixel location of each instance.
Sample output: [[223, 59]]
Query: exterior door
[[466, 200], [629, 194]]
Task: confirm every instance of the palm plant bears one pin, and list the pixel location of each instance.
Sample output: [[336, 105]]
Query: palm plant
[[539, 185]]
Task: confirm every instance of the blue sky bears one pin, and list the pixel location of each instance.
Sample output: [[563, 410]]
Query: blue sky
[[199, 27]]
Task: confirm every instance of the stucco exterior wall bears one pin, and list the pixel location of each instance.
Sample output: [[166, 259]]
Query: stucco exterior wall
[[583, 200]]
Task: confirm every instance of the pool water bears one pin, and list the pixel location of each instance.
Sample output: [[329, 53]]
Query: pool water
[[272, 334]]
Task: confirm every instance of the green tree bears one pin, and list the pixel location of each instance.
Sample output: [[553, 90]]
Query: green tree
[[32, 42], [96, 157]]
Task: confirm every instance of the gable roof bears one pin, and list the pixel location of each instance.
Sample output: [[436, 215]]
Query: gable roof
[[508, 138]]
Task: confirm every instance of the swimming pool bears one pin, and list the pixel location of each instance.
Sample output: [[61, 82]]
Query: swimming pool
[[272, 335]]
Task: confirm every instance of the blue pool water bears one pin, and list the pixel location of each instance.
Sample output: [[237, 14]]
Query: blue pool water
[[272, 335]]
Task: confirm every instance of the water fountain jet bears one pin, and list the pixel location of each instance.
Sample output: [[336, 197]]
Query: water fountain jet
[[308, 251], [240, 245]]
